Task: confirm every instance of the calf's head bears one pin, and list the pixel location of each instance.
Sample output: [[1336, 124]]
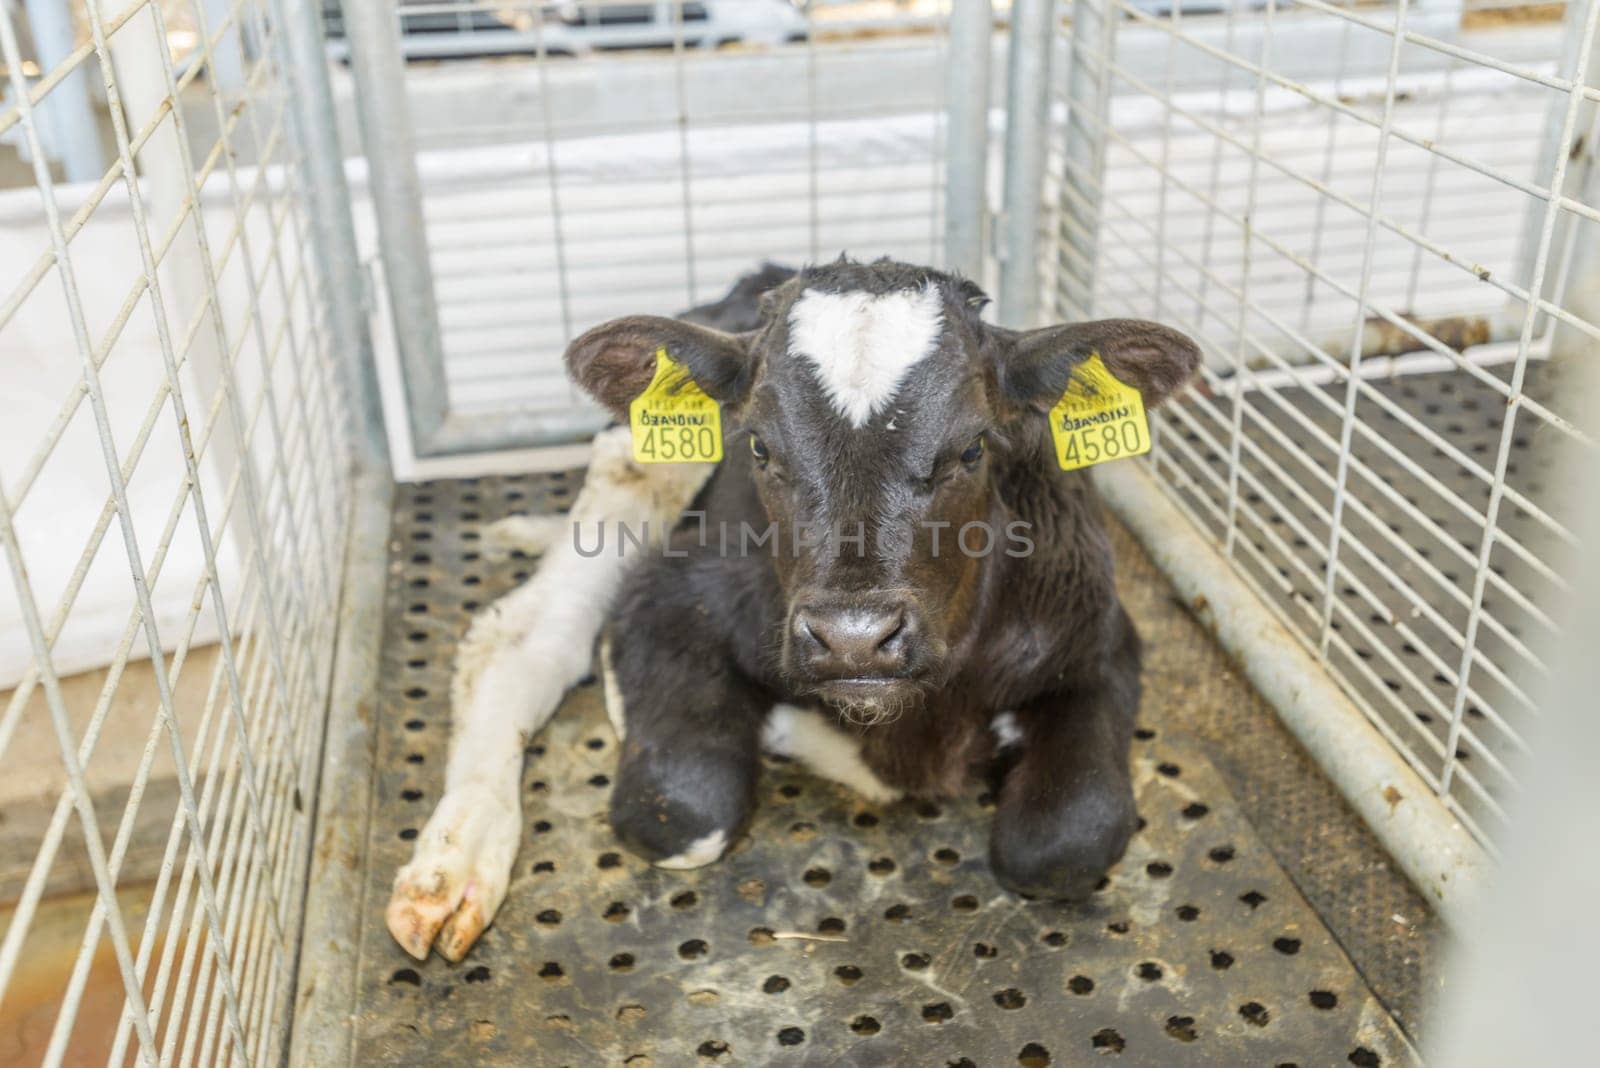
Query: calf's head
[[874, 411]]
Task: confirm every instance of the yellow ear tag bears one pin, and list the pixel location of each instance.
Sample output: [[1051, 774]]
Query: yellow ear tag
[[673, 420], [1098, 418]]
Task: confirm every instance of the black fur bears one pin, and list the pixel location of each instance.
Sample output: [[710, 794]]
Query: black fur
[[702, 642]]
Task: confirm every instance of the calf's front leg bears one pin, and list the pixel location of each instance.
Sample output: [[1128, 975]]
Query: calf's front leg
[[690, 727], [512, 668], [1066, 810]]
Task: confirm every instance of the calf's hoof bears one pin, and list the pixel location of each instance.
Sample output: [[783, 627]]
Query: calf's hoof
[[1060, 857], [681, 810], [458, 874]]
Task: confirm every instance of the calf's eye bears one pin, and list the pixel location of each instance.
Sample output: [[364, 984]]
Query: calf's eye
[[974, 452], [758, 449]]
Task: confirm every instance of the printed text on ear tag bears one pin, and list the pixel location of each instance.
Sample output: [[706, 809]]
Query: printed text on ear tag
[[673, 420], [1098, 418]]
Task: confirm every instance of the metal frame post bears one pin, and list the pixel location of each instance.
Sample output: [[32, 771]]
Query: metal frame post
[[966, 194], [1088, 113], [1027, 126], [304, 59], [372, 29], [69, 108]]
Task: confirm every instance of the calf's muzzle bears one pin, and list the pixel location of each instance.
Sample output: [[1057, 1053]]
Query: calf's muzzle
[[855, 637]]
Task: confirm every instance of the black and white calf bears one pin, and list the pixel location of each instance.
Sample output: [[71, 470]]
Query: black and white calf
[[835, 612]]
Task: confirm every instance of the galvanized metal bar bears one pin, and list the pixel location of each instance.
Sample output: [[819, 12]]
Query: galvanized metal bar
[[304, 63], [967, 137], [373, 32], [1027, 114]]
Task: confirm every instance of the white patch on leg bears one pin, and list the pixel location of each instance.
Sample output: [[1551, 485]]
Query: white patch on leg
[[458, 874], [1007, 731], [862, 344], [613, 692], [518, 658], [804, 734], [701, 851]]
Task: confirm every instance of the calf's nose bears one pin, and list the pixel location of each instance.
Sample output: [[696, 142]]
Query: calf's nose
[[853, 640]]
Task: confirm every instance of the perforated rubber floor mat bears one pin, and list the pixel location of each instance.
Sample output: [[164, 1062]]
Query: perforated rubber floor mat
[[836, 932]]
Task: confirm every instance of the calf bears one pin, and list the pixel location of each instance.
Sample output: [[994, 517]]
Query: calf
[[831, 603]]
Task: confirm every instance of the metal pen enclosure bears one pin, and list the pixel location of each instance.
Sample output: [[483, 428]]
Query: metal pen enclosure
[[1379, 220]]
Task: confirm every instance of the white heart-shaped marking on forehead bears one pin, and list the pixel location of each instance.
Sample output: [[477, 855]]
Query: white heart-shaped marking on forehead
[[861, 345]]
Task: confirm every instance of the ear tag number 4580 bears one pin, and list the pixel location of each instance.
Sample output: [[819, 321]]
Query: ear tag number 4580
[[1098, 418], [673, 421]]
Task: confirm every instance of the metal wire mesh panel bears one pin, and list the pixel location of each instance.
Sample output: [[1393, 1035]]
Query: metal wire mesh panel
[[174, 492], [1379, 222], [618, 158]]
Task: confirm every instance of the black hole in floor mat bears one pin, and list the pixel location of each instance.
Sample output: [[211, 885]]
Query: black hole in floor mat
[[1010, 998], [1107, 1039]]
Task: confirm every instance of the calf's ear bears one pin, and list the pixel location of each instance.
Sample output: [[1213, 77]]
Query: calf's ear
[[615, 361], [1036, 365]]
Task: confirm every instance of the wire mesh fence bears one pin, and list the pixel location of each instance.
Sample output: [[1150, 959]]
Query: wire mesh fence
[[1379, 222], [174, 492], [624, 157]]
